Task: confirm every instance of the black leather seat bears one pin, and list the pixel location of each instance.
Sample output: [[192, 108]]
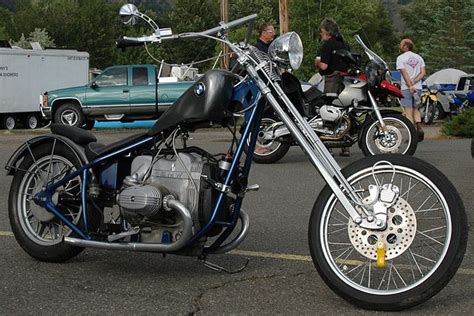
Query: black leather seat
[[94, 149], [76, 134]]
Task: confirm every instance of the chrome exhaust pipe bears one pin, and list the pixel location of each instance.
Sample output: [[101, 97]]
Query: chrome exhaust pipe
[[142, 247], [244, 218]]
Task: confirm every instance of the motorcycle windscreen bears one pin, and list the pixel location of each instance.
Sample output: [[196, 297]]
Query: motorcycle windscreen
[[207, 100]]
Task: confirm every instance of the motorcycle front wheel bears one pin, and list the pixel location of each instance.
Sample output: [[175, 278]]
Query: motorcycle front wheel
[[400, 136], [429, 111], [268, 149], [425, 237]]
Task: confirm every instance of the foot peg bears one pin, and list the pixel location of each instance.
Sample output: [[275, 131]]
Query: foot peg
[[218, 268]]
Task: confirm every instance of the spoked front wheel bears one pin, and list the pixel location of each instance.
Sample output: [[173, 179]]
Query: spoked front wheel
[[423, 242]]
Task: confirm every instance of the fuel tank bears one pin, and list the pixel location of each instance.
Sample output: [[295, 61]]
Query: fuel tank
[[208, 99]]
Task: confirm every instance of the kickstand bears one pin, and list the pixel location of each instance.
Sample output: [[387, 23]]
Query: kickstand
[[219, 268]]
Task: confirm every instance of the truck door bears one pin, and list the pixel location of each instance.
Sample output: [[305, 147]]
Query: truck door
[[109, 93], [142, 91]]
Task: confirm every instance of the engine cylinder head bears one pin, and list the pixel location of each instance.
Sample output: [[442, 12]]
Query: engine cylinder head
[[145, 200]]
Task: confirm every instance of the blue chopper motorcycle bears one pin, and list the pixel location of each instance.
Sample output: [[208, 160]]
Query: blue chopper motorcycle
[[387, 232]]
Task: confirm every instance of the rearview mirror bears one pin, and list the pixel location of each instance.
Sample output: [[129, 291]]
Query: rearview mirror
[[93, 85], [128, 14]]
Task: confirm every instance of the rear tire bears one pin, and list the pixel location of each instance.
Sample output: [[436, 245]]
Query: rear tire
[[32, 121], [440, 111], [8, 121], [37, 231], [428, 256]]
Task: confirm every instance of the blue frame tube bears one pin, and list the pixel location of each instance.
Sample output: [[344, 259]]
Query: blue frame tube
[[45, 197], [253, 120]]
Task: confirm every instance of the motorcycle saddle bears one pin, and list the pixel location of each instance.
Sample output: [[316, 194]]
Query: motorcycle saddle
[[95, 149], [76, 134]]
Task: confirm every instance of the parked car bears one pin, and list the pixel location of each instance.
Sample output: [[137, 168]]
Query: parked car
[[120, 93]]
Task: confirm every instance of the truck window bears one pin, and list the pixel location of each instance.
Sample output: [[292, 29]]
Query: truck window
[[140, 76], [113, 77]]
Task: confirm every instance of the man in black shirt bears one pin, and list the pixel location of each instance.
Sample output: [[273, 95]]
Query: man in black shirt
[[265, 37], [329, 63]]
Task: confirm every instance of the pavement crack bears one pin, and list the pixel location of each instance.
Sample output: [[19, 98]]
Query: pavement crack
[[198, 306]]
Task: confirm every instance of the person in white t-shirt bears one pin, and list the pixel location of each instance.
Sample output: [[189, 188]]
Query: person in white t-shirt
[[412, 69]]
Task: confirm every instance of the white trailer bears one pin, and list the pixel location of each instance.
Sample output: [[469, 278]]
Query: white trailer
[[25, 74]]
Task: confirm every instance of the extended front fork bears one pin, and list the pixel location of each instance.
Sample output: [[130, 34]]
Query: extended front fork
[[360, 212]]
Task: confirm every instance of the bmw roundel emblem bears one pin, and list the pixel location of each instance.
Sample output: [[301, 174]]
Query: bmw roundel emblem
[[199, 89]]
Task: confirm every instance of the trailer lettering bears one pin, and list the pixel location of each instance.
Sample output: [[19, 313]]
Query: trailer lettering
[[9, 74], [76, 58], [4, 68]]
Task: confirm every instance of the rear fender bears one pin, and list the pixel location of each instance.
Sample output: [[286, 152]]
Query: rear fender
[[26, 149]]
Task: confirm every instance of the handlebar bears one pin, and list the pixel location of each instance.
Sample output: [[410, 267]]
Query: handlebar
[[128, 42], [224, 27]]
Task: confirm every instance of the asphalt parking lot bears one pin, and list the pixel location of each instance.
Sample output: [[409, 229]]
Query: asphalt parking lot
[[280, 278]]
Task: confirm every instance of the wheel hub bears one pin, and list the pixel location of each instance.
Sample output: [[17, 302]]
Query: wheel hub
[[69, 118], [390, 140], [397, 237]]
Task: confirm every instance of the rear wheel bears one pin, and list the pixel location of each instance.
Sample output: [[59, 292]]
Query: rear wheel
[[32, 121], [400, 136], [8, 121], [439, 111], [423, 242], [38, 231]]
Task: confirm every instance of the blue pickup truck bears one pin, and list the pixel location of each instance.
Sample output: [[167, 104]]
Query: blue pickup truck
[[120, 93]]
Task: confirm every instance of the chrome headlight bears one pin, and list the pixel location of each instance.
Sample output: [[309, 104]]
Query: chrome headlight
[[287, 51]]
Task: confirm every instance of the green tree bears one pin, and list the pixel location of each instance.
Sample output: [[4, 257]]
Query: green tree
[[443, 32], [5, 19]]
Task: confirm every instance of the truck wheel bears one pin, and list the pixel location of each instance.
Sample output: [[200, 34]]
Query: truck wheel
[[32, 121], [69, 114], [8, 121]]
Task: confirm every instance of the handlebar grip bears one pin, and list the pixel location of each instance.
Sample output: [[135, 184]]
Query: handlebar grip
[[123, 43]]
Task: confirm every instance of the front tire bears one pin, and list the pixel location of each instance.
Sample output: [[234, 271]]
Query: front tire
[[69, 114], [426, 237], [268, 150], [401, 136], [37, 231], [429, 111]]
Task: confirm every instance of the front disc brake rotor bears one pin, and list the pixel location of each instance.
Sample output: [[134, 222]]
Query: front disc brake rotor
[[390, 140], [398, 236]]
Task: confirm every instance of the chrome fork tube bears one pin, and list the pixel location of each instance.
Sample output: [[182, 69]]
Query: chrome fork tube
[[313, 146], [376, 109]]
